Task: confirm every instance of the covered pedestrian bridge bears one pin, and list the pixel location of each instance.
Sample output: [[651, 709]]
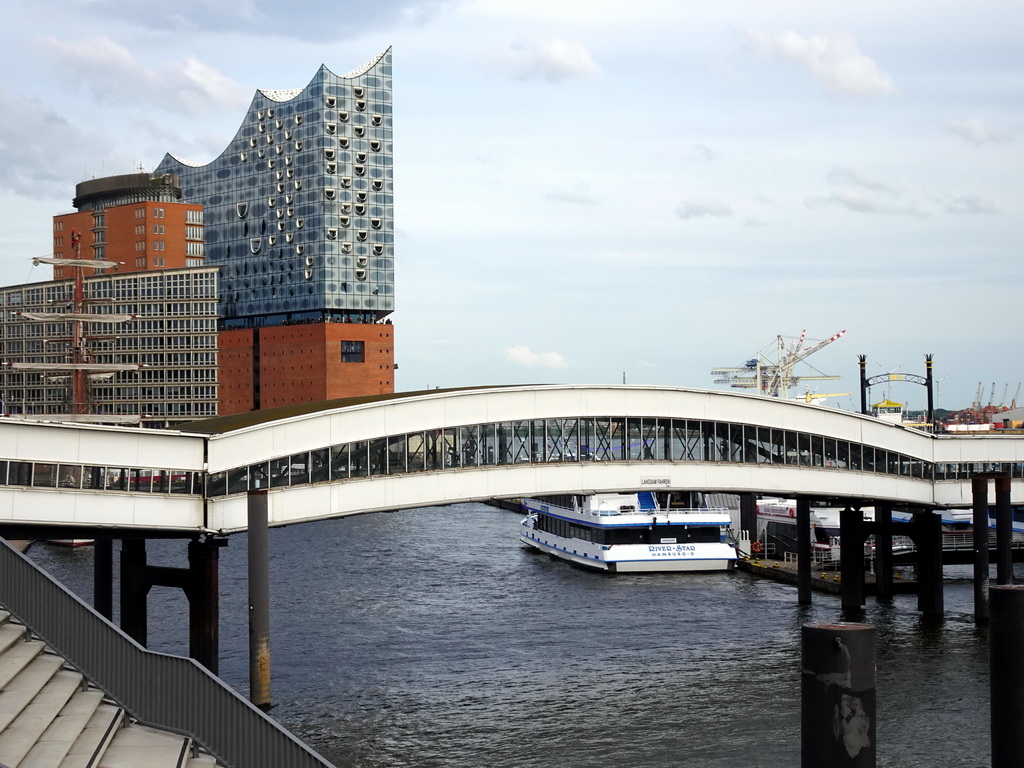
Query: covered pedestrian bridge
[[441, 447]]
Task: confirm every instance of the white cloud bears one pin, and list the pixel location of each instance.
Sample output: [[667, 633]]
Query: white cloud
[[975, 131], [580, 195], [697, 209], [115, 75], [834, 60], [856, 191], [524, 356], [548, 59], [971, 205]]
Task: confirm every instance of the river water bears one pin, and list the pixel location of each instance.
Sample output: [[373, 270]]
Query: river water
[[432, 637]]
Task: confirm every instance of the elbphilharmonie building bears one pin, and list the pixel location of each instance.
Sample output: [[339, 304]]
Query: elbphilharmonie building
[[299, 206]]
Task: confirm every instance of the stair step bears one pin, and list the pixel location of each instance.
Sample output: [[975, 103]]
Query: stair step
[[24, 686], [17, 740], [16, 658], [95, 737], [10, 634], [201, 761], [55, 744], [4, 616], [140, 745]]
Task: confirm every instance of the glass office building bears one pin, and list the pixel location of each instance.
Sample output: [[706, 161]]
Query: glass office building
[[299, 206]]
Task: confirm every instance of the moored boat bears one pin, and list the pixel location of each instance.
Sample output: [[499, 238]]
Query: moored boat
[[630, 533]]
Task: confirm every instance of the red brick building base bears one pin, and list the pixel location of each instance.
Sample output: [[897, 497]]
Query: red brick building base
[[270, 367]]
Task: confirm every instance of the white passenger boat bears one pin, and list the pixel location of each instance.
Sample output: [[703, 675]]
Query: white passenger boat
[[629, 532]]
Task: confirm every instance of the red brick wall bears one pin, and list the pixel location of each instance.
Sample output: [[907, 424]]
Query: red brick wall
[[302, 364]]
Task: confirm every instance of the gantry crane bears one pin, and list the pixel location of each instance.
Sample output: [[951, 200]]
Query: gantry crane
[[771, 373]]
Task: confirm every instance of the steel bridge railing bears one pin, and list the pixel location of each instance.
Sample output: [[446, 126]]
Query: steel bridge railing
[[169, 692]]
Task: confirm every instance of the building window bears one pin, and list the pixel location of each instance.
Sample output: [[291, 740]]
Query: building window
[[352, 352]]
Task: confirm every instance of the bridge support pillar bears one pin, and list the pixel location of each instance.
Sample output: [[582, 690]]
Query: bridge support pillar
[[803, 550], [134, 590], [203, 592], [199, 582], [851, 560], [1004, 532], [837, 695], [979, 545], [103, 578], [259, 600], [883, 552], [1006, 675], [928, 530], [748, 514]]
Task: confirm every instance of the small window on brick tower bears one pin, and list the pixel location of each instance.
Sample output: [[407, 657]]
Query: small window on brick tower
[[352, 352]]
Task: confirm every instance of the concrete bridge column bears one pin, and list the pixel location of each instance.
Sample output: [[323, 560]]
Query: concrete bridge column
[[134, 589], [851, 559], [979, 543], [748, 514], [883, 552], [803, 550], [103, 578], [1004, 532], [928, 538]]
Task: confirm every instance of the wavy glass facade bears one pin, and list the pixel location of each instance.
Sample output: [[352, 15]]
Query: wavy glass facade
[[299, 206]]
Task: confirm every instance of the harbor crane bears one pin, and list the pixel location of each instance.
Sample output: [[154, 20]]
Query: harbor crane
[[772, 372]]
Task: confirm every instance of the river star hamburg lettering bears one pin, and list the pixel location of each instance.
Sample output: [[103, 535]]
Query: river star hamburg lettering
[[672, 550]]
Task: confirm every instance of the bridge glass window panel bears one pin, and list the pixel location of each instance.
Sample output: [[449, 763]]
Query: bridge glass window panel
[[217, 484], [892, 465], [555, 446], [601, 444], [397, 455], [617, 439], [141, 480], [571, 439], [450, 448], [298, 469], [433, 452], [181, 482], [634, 440], [686, 438], [751, 452], [538, 431], [416, 452], [69, 476], [469, 438], [652, 435], [520, 442], [279, 472], [238, 480], [777, 446], [734, 442], [339, 462], [804, 449], [868, 457], [856, 461], [3, 472], [19, 473], [319, 465], [817, 451], [161, 482], [829, 452], [488, 444], [378, 456], [842, 455], [259, 476], [359, 455], [44, 475], [117, 479]]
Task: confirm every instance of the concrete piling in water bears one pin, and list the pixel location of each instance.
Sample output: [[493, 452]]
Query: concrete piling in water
[[837, 702], [1006, 674], [979, 538], [259, 600]]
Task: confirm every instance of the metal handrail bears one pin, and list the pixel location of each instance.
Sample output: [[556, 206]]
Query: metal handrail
[[165, 691]]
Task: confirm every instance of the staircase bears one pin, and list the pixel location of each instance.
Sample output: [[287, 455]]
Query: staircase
[[647, 501], [51, 717]]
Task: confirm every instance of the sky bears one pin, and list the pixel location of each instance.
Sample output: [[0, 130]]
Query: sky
[[602, 191]]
